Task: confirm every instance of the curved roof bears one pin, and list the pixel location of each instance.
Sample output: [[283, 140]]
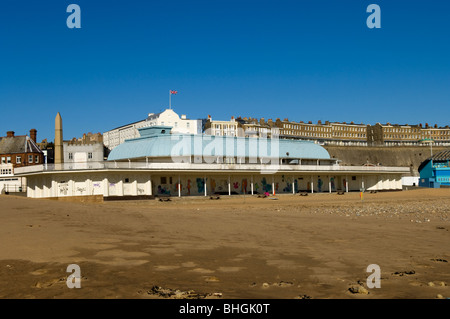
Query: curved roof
[[156, 141]]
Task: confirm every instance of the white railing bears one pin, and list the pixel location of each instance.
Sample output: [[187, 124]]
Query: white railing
[[205, 167], [29, 169], [13, 189]]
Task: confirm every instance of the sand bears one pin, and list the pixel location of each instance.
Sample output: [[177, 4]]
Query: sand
[[287, 247]]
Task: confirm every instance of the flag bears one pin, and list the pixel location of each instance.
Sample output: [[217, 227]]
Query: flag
[[173, 92]]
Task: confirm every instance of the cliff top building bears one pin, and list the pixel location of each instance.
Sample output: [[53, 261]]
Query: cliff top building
[[333, 133], [242, 127], [179, 124], [87, 139], [221, 128]]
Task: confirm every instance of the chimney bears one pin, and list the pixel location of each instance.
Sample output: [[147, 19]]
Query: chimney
[[33, 134], [10, 134]]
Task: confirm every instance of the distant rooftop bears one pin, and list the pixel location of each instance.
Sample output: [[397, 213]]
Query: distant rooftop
[[270, 121], [18, 144]]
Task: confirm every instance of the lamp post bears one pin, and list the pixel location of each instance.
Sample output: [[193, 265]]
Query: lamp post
[[431, 144]]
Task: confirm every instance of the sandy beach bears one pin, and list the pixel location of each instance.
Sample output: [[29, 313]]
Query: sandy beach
[[284, 247]]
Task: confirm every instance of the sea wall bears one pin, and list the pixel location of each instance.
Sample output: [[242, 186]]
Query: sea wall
[[411, 156]]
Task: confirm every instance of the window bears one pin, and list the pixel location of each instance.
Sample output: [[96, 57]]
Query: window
[[176, 124], [8, 159], [89, 155], [30, 158], [18, 159], [3, 160], [188, 124], [163, 180], [70, 156], [127, 180], [36, 159]]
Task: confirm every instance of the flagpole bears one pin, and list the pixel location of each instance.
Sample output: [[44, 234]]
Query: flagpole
[[170, 99]]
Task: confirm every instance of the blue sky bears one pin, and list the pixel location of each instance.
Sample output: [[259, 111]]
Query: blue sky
[[304, 60]]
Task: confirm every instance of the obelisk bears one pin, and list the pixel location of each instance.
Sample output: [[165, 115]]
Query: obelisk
[[59, 153]]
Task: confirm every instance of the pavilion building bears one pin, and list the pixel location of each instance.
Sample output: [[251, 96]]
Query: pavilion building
[[161, 162]]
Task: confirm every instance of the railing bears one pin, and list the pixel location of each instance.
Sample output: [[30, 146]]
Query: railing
[[13, 189], [205, 167]]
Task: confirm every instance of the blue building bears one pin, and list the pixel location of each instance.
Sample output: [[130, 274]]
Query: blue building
[[435, 171]]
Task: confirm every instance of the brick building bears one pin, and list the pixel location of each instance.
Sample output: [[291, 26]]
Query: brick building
[[15, 152], [20, 150], [334, 133]]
